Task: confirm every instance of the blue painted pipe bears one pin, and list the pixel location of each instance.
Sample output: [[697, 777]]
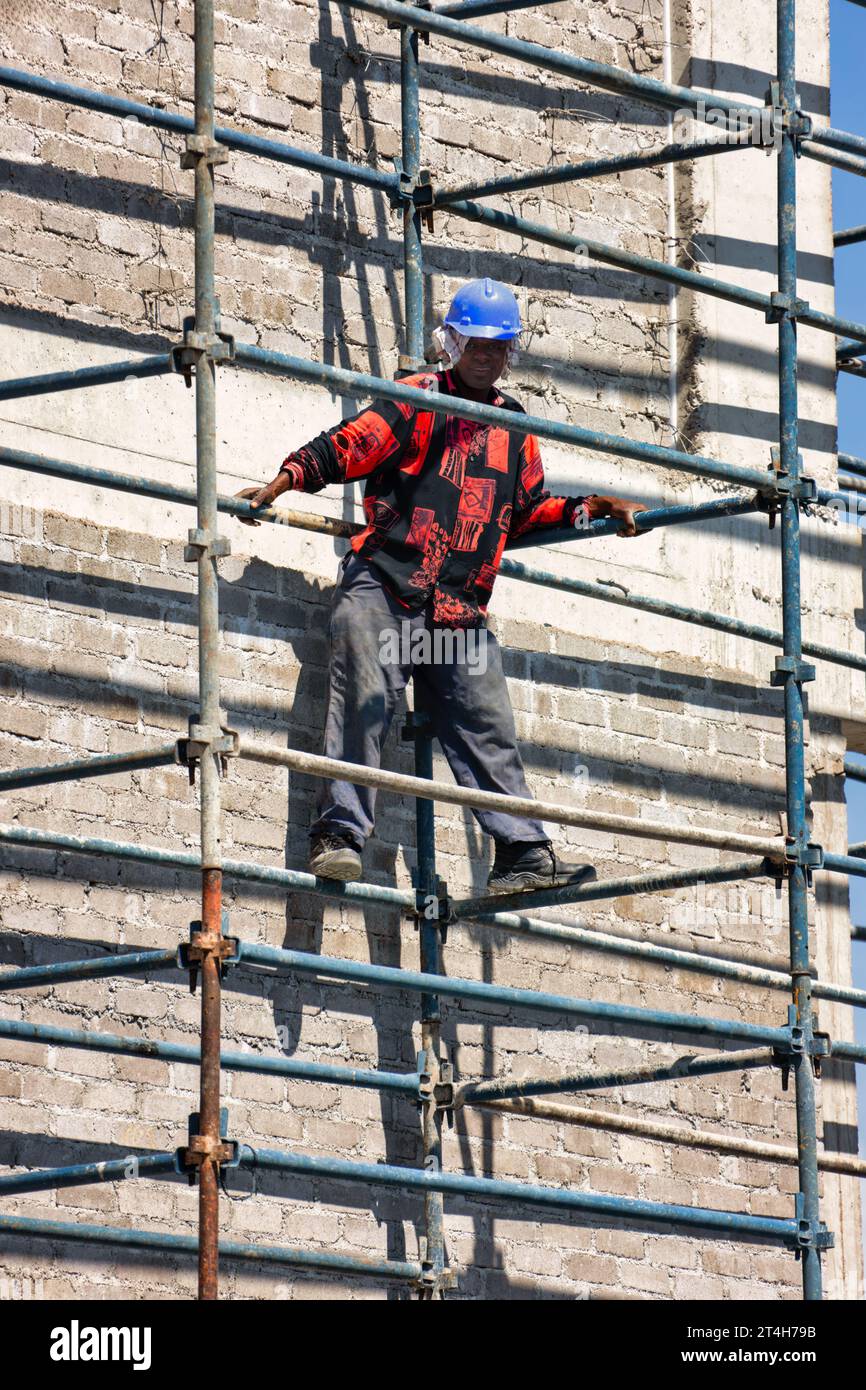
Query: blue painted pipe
[[400, 1083], [414, 981], [88, 767], [82, 1174], [360, 384], [126, 1238], [132, 963], [50, 382], [647, 266], [21, 81], [557, 1198]]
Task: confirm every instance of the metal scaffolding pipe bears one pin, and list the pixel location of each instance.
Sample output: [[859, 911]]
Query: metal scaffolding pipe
[[62, 972], [545, 929], [415, 981], [555, 1198], [711, 1064], [849, 235], [20, 81], [127, 1238], [694, 280], [313, 763], [790, 672], [856, 771], [665, 608], [852, 464], [510, 569], [588, 169], [361, 384], [295, 1068], [669, 1134], [160, 756], [49, 382], [83, 1174]]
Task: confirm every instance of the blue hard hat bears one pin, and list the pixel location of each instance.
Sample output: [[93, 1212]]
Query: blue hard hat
[[484, 309]]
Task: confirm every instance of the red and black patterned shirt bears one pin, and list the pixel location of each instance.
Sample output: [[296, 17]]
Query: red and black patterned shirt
[[442, 497]]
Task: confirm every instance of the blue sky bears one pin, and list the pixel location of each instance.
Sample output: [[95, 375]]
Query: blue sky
[[847, 45]]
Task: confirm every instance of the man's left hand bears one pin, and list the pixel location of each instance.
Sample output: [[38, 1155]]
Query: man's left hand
[[618, 509]]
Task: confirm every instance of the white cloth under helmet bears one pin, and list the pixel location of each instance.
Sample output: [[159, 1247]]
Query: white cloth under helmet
[[452, 345]]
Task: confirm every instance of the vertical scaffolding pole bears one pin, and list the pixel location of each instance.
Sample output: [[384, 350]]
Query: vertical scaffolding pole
[[790, 669], [413, 280], [419, 724], [205, 1147]]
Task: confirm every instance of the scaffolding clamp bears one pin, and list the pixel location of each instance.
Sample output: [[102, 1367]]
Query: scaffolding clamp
[[810, 1235], [222, 741], [202, 944], [787, 666], [218, 346], [432, 905], [204, 543], [802, 1042], [433, 1281], [414, 193], [204, 1148], [436, 1083], [795, 123], [780, 484], [785, 306], [200, 147]]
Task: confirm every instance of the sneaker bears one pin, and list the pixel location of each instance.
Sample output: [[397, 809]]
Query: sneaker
[[523, 865], [334, 856]]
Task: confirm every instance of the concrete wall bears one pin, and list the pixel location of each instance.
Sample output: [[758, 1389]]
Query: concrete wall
[[615, 709]]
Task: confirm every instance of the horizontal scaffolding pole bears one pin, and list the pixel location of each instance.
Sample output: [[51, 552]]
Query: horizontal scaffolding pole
[[711, 1064], [525, 1194], [159, 756], [654, 269], [49, 382], [315, 765], [296, 1068], [497, 907], [170, 492], [291, 879], [844, 864], [62, 972], [669, 1134], [362, 385], [854, 483], [858, 849], [851, 163], [476, 991], [850, 235], [852, 464], [464, 9], [585, 938], [720, 509], [21, 81], [128, 1238], [616, 593], [589, 169], [667, 96], [856, 771], [83, 1174], [184, 860]]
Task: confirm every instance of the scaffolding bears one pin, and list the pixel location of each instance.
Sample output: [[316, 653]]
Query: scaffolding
[[794, 1045]]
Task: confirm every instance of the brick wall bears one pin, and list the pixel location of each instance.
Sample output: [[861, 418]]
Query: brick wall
[[621, 713]]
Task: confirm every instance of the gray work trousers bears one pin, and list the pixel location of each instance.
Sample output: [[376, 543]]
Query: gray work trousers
[[376, 644]]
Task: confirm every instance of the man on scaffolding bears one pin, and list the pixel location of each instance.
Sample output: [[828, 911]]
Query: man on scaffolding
[[443, 496]]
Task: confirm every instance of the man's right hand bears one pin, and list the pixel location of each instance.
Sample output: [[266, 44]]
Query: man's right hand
[[263, 496]]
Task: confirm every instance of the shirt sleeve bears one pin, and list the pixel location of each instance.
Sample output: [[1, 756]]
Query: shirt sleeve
[[353, 449], [534, 507]]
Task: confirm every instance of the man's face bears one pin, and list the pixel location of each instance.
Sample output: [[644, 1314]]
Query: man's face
[[483, 362]]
